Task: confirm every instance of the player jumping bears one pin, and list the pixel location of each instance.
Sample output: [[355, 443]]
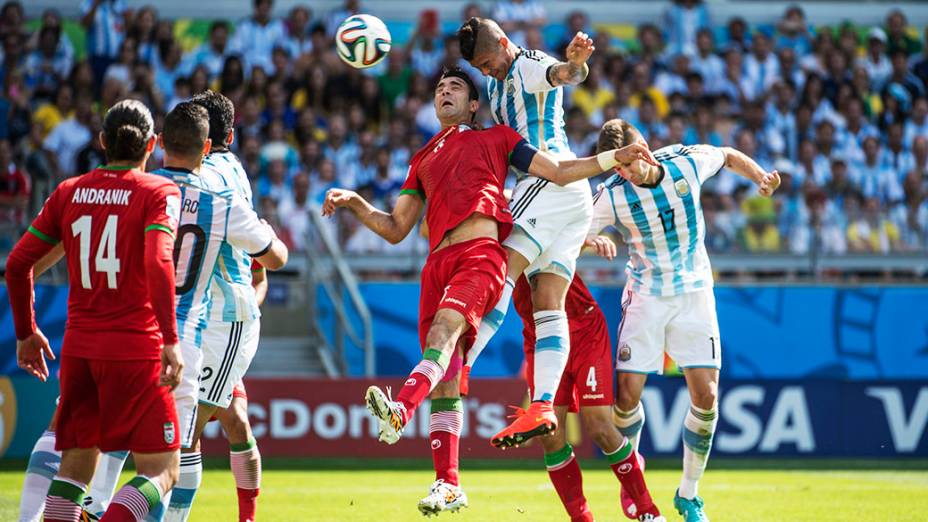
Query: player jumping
[[458, 177], [525, 89], [668, 302], [117, 227]]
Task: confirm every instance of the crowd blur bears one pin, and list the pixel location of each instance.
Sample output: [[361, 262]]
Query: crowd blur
[[840, 112]]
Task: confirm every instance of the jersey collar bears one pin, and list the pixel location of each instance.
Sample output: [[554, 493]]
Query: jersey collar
[[660, 177], [116, 167]]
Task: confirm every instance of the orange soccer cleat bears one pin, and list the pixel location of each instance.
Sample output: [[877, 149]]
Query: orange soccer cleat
[[538, 419]]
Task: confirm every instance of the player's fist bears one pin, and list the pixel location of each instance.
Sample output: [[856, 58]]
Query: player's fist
[[31, 353], [336, 198], [602, 246], [769, 184], [580, 48], [634, 152], [172, 365]]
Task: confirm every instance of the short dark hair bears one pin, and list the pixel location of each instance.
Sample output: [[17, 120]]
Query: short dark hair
[[476, 36], [185, 129], [615, 134], [218, 24], [457, 72], [221, 116], [127, 127]]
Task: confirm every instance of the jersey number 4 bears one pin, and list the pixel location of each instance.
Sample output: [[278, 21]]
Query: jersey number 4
[[105, 260]]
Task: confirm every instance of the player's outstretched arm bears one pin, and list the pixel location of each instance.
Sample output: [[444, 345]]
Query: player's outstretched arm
[[563, 172], [575, 69], [743, 165], [393, 226]]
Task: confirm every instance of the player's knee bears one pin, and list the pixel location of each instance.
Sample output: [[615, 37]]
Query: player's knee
[[170, 476], [626, 399], [705, 397]]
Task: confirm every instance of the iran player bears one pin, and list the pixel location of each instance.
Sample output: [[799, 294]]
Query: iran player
[[117, 227], [668, 303], [525, 88], [458, 177]]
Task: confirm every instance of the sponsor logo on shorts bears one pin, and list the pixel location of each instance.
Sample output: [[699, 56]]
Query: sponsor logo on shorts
[[436, 444], [531, 221], [410, 381], [452, 300], [625, 468], [625, 352], [591, 396], [169, 433]]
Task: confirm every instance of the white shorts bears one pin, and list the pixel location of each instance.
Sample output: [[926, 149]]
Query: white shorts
[[684, 326], [228, 349], [551, 224], [185, 395]]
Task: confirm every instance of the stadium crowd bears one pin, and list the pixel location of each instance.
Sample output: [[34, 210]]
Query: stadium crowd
[[840, 112]]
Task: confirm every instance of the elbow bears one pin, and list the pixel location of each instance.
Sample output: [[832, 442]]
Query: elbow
[[394, 239]]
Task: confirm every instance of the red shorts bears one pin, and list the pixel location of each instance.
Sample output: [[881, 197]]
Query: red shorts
[[115, 405], [587, 380], [467, 278]]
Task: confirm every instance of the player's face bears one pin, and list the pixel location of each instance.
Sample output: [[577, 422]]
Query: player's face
[[494, 63], [452, 100], [637, 171]]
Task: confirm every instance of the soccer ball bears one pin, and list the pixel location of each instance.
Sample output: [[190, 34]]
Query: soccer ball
[[362, 41]]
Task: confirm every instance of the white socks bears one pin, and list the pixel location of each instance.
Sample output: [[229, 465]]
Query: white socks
[[552, 347], [491, 322], [698, 429]]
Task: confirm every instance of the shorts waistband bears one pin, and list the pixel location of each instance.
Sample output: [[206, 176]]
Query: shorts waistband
[[464, 245]]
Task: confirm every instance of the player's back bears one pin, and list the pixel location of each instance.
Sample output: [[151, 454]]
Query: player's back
[[102, 218]]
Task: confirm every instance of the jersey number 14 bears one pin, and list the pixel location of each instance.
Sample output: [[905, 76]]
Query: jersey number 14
[[105, 260]]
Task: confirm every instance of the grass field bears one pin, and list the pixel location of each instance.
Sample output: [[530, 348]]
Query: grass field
[[734, 491]]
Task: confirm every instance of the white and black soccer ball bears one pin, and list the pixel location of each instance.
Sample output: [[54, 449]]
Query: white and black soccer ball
[[362, 41]]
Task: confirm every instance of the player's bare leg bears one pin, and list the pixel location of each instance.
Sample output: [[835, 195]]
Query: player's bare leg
[[156, 474], [564, 471], [619, 451], [244, 456], [44, 461], [628, 417], [445, 423], [552, 349], [441, 340], [698, 430], [66, 492]]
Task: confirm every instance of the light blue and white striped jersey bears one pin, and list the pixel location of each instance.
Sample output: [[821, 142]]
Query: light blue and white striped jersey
[[663, 224], [529, 104], [105, 35], [233, 298], [208, 221]]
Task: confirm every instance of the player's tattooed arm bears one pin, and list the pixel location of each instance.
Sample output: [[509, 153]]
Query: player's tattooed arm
[[393, 226], [743, 165], [575, 69]]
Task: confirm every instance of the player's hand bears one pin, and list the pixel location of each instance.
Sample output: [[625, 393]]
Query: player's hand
[[172, 365], [633, 152], [580, 48], [602, 246], [336, 198], [31, 353], [769, 184]]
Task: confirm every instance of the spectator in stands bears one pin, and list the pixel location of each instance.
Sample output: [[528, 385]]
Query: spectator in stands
[[876, 62], [212, 53], [593, 95], [256, 36], [920, 61], [702, 131], [338, 15], [15, 190], [875, 179], [895, 156], [576, 21], [920, 159], [855, 127], [873, 233], [793, 31], [142, 30], [294, 212], [35, 162], [761, 234], [121, 70], [912, 217], [738, 35], [92, 155], [917, 124], [12, 18], [902, 76], [45, 67], [49, 114], [167, 69], [274, 185], [515, 16], [70, 136], [277, 148], [706, 62], [899, 38], [673, 80], [732, 85], [105, 22], [761, 67], [781, 118], [650, 45], [682, 20], [296, 32], [324, 181], [423, 50]]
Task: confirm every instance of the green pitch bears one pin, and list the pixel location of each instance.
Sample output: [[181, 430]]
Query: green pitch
[[735, 491]]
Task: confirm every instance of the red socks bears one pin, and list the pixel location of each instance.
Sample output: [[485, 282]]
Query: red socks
[[445, 425], [568, 482]]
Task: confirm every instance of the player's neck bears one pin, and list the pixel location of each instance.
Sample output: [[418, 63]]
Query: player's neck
[[123, 164], [181, 163]]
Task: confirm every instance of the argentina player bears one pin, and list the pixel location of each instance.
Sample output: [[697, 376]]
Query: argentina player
[[668, 303]]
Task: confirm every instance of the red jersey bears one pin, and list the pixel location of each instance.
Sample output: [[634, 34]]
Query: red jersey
[[459, 172], [102, 217], [582, 310]]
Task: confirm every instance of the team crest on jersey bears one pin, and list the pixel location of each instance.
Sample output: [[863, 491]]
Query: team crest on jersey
[[510, 87], [682, 187], [169, 433], [625, 352]]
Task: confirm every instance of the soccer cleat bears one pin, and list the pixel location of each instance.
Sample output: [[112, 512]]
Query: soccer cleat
[[387, 411], [538, 419], [691, 509], [443, 497], [628, 503], [648, 517]]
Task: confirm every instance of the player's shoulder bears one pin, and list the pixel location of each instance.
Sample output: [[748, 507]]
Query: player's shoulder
[[151, 182], [535, 56]]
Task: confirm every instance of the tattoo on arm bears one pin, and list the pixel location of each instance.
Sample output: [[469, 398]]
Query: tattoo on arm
[[567, 73]]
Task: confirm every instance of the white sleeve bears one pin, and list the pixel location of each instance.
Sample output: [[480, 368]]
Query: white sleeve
[[709, 160], [603, 213], [533, 70], [244, 229]]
